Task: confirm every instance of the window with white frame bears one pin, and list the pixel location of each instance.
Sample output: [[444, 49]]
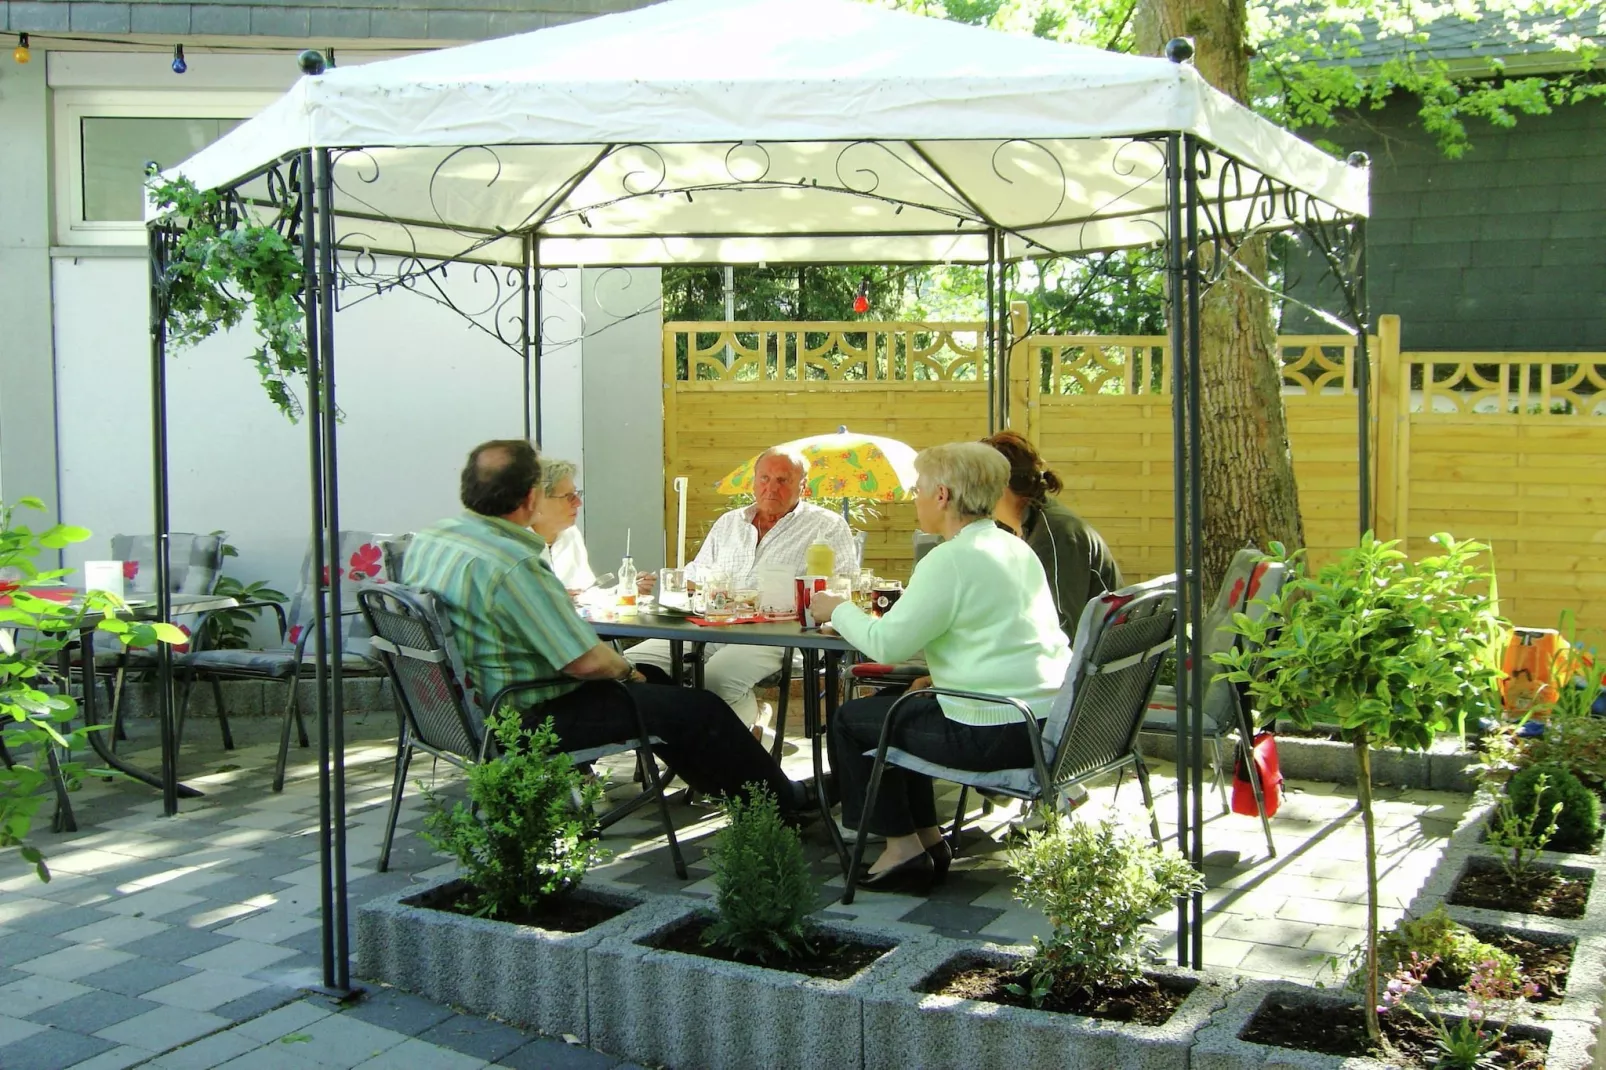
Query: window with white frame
[[104, 139]]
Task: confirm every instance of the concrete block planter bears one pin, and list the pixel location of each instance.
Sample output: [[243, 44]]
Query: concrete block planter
[[1443, 768], [528, 976], [906, 1027], [1220, 1046], [673, 1009], [1458, 861]]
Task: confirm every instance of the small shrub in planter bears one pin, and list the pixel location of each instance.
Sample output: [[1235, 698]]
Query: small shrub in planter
[[1098, 884], [531, 834], [1553, 891], [1454, 949], [1551, 788]]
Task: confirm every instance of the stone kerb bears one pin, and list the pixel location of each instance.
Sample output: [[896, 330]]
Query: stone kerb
[[906, 1027], [528, 976], [1440, 768], [669, 1008], [1220, 1045]]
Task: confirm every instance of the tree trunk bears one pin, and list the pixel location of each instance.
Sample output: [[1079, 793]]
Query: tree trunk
[[1363, 796], [1248, 472]]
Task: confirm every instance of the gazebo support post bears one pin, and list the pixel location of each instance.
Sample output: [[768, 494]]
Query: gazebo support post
[[157, 238], [1363, 374], [992, 334], [1175, 302], [530, 343], [1001, 327], [1193, 580], [331, 701]]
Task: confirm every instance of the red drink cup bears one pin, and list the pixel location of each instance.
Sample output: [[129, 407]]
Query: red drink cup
[[806, 586]]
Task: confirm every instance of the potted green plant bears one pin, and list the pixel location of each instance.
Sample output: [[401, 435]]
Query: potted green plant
[[1393, 651], [1087, 996], [509, 936], [756, 981]]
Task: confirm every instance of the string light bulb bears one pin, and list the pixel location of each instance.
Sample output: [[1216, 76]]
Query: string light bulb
[[21, 53], [861, 300], [179, 66]]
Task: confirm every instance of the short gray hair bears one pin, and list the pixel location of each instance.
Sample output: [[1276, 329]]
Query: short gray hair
[[799, 462], [974, 473], [554, 471]]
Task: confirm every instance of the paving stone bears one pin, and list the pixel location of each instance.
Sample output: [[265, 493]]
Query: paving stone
[[272, 1057], [51, 1049], [118, 1058], [544, 1054], [953, 919], [136, 976], [417, 1055], [289, 1019], [150, 903], [176, 944], [75, 960], [270, 926], [27, 997], [475, 1036], [14, 1029], [240, 957], [21, 947], [263, 1000], [204, 991], [114, 931], [163, 1028], [237, 888], [402, 1012], [20, 906], [92, 1011], [54, 922], [345, 1042], [207, 1052]]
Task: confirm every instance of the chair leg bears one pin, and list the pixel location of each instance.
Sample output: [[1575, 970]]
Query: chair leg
[[1221, 776], [183, 712], [301, 726], [64, 820], [1142, 772], [780, 705], [871, 794], [655, 786], [404, 755], [222, 714], [291, 713], [115, 686], [959, 819]]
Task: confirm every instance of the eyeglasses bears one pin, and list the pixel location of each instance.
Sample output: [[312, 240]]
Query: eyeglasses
[[573, 497]]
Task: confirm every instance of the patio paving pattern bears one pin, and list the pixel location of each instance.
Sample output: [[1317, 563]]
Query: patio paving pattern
[[188, 942]]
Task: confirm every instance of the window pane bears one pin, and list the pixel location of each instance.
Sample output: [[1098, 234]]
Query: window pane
[[117, 150]]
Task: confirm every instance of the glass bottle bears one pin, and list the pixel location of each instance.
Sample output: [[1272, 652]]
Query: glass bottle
[[820, 560], [627, 587]]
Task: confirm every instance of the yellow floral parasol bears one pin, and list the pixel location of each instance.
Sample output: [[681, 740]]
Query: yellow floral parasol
[[843, 465]]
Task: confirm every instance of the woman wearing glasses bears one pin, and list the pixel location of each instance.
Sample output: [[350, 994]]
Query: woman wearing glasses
[[554, 522]]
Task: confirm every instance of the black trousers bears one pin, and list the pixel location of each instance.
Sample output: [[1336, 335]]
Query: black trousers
[[703, 739], [906, 802]]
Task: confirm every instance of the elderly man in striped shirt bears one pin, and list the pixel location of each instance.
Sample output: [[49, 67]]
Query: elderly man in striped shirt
[[514, 623], [772, 534]]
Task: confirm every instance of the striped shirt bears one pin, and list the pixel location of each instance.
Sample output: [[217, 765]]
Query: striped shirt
[[733, 544], [513, 619]]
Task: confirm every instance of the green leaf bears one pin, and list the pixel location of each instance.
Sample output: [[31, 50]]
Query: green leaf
[[60, 536], [169, 633]]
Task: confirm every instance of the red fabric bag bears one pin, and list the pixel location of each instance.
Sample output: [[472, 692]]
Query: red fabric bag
[[1271, 779]]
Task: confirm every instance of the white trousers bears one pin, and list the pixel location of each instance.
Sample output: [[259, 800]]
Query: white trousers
[[731, 672]]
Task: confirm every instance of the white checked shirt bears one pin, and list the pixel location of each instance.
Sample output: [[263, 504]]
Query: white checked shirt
[[733, 544]]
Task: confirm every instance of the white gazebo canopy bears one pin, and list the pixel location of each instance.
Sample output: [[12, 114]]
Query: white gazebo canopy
[[741, 131]]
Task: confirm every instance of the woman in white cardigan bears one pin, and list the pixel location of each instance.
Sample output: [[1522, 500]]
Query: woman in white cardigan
[[980, 607]]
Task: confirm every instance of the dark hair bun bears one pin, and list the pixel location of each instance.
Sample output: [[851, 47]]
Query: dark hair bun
[[1051, 481]]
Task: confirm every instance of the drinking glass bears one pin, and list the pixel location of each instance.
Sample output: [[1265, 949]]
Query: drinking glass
[[716, 596]]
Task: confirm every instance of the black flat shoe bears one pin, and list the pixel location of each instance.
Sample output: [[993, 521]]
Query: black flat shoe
[[912, 877], [942, 856]]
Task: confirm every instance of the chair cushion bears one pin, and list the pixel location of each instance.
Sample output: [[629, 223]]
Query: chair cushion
[[1019, 783], [607, 750], [277, 663]]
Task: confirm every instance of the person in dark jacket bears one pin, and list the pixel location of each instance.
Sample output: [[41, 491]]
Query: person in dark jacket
[[1075, 557]]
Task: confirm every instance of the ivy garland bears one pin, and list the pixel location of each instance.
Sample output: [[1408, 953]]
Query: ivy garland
[[221, 262]]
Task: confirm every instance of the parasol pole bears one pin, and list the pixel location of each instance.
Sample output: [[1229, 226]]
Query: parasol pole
[[842, 429], [680, 522]]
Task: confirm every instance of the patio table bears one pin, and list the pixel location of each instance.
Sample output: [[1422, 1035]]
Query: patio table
[[815, 645], [142, 611]]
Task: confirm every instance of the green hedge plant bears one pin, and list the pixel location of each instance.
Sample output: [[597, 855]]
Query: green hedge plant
[[1391, 650], [763, 890], [531, 833], [1542, 788], [1098, 884]]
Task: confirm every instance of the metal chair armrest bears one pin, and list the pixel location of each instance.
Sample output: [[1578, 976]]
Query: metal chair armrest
[[1034, 731]]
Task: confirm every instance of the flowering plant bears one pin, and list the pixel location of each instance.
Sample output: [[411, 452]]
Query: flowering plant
[[1466, 1041]]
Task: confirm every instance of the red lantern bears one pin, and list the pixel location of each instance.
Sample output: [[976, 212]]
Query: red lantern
[[861, 300]]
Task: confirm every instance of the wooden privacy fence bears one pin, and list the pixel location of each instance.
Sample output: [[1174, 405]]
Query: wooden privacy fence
[[1502, 447]]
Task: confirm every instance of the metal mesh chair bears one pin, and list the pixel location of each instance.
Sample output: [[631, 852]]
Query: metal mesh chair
[[1092, 727], [361, 559], [437, 714], [1251, 580], [197, 565]]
